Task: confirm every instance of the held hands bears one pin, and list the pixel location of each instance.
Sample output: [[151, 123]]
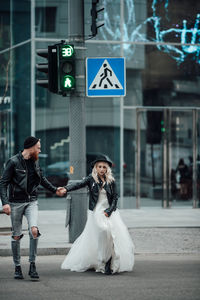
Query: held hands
[[61, 191], [107, 212], [7, 209]]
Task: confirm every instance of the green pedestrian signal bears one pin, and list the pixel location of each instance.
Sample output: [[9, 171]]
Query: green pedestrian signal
[[68, 82], [66, 68]]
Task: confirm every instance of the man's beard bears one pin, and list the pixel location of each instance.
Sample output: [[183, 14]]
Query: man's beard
[[34, 156]]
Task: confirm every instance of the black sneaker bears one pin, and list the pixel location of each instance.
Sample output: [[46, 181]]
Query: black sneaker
[[32, 271], [18, 273]]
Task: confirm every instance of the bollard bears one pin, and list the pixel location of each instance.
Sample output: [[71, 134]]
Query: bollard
[[76, 211]]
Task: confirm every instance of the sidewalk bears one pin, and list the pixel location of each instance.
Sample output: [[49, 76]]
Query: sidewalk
[[154, 230]]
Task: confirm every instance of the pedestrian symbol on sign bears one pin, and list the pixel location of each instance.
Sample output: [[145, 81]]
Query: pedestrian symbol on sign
[[105, 79], [105, 76]]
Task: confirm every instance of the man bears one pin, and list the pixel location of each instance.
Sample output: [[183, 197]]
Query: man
[[21, 177]]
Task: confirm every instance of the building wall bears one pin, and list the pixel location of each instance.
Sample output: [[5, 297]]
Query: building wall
[[158, 75]]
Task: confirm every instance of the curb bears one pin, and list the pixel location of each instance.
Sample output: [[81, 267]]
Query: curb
[[64, 251], [40, 251]]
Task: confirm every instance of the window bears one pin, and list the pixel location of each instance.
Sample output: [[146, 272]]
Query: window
[[45, 19]]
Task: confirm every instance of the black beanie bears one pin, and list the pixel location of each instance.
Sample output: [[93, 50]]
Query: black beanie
[[30, 142]]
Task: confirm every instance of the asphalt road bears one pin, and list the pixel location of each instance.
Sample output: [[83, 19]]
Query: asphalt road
[[156, 277]]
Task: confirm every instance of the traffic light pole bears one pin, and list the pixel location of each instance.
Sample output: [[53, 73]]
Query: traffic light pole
[[77, 127]]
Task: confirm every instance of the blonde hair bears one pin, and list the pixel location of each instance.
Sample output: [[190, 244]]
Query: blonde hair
[[108, 174]]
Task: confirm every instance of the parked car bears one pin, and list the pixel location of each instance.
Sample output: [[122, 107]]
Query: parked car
[[58, 174]]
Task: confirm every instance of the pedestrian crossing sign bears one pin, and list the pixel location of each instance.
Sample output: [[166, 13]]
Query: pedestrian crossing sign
[[105, 77]]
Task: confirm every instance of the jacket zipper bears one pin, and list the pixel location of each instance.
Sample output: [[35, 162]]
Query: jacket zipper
[[26, 179], [38, 176]]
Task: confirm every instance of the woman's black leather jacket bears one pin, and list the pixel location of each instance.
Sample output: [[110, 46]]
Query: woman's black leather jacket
[[94, 188], [15, 177]]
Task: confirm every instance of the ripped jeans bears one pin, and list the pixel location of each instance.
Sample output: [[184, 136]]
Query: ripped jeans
[[30, 211]]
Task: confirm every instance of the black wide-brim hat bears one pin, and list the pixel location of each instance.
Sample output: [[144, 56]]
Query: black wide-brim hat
[[103, 158]]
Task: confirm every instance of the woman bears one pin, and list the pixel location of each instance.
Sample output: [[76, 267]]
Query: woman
[[105, 244]]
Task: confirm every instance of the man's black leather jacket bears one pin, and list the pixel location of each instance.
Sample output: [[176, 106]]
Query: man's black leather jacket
[[15, 178], [94, 188]]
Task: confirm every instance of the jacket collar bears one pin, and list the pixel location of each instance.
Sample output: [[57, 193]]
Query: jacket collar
[[22, 159], [106, 186], [36, 163]]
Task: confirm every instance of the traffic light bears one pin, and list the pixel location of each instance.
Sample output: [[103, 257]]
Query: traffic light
[[49, 68], [162, 126], [66, 68], [42, 67], [96, 8]]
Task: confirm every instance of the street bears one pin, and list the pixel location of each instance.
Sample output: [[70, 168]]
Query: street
[[156, 277]]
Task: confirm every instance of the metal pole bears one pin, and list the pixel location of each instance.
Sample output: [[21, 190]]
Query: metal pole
[[137, 159], [12, 125], [169, 126], [165, 163], [32, 67], [194, 139], [77, 131], [122, 113]]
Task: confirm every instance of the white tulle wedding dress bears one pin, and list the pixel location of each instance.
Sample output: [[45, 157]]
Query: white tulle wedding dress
[[101, 238]]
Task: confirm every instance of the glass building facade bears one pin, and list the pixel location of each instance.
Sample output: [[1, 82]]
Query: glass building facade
[[149, 133]]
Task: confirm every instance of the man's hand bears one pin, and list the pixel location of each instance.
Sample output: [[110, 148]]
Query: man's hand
[[61, 191], [7, 209]]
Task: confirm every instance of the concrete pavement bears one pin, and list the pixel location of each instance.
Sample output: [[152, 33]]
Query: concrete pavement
[[154, 230], [154, 277]]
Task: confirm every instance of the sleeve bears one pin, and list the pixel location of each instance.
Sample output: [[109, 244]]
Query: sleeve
[[113, 206], [78, 185], [46, 184], [5, 181]]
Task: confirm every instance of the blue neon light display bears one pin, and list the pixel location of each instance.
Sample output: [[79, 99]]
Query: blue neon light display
[[136, 33]]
